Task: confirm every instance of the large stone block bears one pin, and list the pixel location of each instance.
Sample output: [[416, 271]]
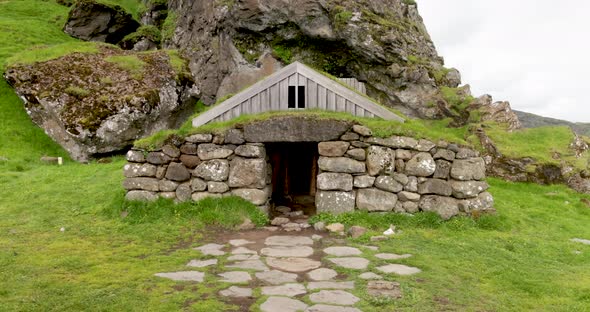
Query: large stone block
[[141, 196], [408, 196], [295, 129], [341, 164], [198, 185], [213, 170], [357, 154], [333, 149], [135, 156], [468, 189], [425, 146], [146, 184], [171, 150], [443, 169], [190, 161], [364, 181], [213, 151], [158, 158], [334, 202], [395, 142], [217, 187], [189, 149], [469, 169], [329, 181], [234, 136], [375, 200], [139, 170], [362, 130], [380, 160], [445, 207], [247, 173], [167, 186], [389, 184], [183, 192], [484, 202], [435, 186], [445, 154], [421, 165], [251, 151], [255, 196], [465, 153], [199, 138], [202, 195], [177, 172]]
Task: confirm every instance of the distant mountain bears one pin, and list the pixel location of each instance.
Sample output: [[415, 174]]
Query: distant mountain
[[529, 120]]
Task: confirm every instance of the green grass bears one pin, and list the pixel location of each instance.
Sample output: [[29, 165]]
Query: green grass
[[429, 129], [519, 260], [541, 144], [130, 63], [133, 7]]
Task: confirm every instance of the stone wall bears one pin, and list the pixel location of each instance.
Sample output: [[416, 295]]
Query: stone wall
[[357, 171], [400, 174], [201, 166]]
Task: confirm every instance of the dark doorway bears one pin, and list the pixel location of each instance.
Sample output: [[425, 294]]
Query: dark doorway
[[294, 173]]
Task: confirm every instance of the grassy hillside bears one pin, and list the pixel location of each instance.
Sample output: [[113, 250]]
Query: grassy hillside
[[520, 260], [529, 120]]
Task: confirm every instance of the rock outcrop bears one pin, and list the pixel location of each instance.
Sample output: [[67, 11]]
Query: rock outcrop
[[383, 43], [97, 103], [92, 21]]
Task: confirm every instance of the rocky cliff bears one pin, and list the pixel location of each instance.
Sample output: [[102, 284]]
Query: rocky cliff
[[232, 44]]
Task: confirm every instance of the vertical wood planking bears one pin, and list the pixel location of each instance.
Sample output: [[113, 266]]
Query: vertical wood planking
[[255, 104], [283, 94], [331, 100], [312, 94], [350, 107], [340, 104], [359, 111], [264, 104], [274, 97], [322, 97]]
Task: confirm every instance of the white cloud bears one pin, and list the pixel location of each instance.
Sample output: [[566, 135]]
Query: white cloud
[[533, 53]]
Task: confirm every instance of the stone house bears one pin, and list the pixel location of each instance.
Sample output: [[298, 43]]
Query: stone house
[[327, 165]]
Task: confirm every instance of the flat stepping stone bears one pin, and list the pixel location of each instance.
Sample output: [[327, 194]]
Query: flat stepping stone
[[286, 251], [370, 276], [274, 304], [322, 274], [288, 240], [342, 251], [373, 248], [289, 290], [339, 297], [243, 251], [384, 288], [390, 256], [193, 276], [582, 241], [201, 263], [355, 263], [275, 277], [235, 277], [294, 265], [240, 242], [256, 265], [330, 285], [330, 308], [399, 269], [243, 257], [236, 292], [211, 250]]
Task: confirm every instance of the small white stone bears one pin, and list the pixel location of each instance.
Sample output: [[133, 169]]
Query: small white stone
[[202, 263], [235, 277], [288, 290], [322, 274], [370, 276]]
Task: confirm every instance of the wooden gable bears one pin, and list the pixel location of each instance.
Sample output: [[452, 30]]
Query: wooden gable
[[282, 91]]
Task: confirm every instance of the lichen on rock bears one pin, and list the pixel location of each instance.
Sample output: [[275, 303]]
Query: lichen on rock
[[96, 103]]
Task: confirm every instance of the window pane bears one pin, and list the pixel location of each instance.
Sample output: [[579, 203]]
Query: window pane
[[291, 96], [301, 97]]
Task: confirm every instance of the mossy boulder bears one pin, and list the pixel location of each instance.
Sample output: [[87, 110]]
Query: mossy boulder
[[97, 103]]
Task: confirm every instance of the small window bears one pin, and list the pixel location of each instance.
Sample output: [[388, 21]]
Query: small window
[[291, 96], [301, 97]]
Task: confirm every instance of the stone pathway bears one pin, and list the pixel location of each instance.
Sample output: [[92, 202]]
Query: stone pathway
[[284, 272]]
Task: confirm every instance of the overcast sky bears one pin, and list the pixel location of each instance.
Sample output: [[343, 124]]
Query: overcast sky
[[533, 53]]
